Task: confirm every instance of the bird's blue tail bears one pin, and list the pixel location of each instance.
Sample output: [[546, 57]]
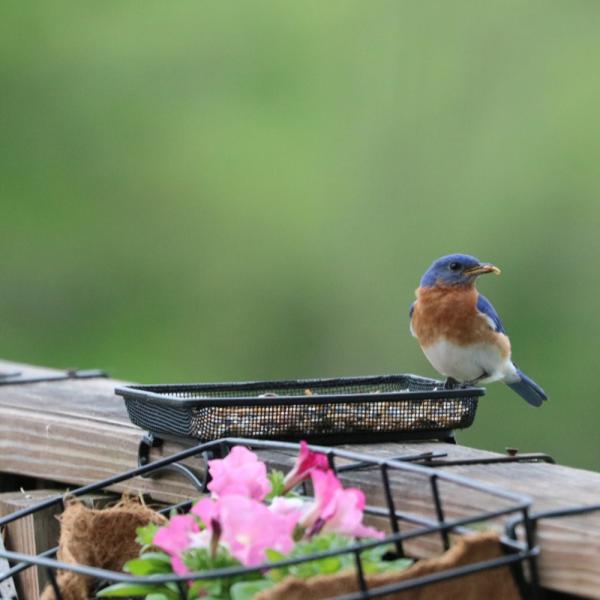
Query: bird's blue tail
[[528, 389]]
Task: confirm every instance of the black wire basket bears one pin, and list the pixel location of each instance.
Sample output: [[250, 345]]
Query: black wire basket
[[395, 481], [343, 410]]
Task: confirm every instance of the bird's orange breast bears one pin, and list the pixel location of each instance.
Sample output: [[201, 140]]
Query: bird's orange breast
[[450, 312]]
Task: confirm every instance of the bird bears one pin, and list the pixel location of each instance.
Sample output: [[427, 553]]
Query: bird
[[461, 333]]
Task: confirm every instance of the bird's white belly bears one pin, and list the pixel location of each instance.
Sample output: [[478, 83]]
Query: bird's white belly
[[467, 363]]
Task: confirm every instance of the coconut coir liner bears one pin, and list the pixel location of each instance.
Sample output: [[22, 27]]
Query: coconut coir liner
[[496, 584], [106, 539], [97, 538]]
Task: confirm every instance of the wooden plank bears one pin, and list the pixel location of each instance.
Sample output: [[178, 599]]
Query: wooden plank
[[30, 535], [78, 451], [78, 432], [8, 590], [36, 532]]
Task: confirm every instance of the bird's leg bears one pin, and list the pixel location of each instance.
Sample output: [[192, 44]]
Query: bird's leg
[[451, 383], [475, 381]]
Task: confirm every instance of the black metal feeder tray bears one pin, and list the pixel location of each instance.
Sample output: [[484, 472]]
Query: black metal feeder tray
[[342, 410]]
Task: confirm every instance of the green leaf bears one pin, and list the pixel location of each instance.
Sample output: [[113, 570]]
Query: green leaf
[[276, 480], [123, 590], [399, 564], [145, 534], [245, 590], [329, 565], [148, 563], [201, 559], [372, 559], [279, 573], [274, 555]]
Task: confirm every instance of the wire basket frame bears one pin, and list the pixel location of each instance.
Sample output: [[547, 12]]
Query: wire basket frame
[[516, 554], [340, 410]]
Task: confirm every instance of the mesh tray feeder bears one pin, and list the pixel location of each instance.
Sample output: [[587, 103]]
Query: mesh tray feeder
[[439, 517], [351, 409]]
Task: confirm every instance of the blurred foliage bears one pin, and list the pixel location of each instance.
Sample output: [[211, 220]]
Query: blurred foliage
[[251, 190]]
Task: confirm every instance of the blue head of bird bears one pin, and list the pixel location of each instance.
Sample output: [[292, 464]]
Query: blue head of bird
[[456, 269]]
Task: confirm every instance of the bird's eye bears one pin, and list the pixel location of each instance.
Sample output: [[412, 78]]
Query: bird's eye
[[454, 266]]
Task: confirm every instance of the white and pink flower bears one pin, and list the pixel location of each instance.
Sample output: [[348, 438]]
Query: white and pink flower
[[247, 527], [175, 538], [236, 517]]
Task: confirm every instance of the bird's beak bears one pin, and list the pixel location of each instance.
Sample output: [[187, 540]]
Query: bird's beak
[[481, 269]]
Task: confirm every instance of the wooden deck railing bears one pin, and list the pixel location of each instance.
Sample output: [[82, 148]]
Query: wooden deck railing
[[77, 431]]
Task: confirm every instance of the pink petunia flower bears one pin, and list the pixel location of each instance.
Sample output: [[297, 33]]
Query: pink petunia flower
[[207, 509], [239, 473], [336, 509], [247, 527], [175, 538], [287, 506], [306, 463]]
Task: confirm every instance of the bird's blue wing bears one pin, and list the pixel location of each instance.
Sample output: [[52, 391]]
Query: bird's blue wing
[[485, 306], [410, 314]]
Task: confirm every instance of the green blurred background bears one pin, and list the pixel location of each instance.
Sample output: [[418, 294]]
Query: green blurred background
[[200, 191]]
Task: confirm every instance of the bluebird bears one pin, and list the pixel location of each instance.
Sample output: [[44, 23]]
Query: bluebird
[[459, 330]]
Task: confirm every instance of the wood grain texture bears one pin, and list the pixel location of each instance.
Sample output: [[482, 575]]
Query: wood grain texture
[[37, 532], [77, 432], [7, 586], [31, 535]]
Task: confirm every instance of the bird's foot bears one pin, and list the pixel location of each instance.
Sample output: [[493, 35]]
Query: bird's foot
[[451, 384], [477, 380]]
